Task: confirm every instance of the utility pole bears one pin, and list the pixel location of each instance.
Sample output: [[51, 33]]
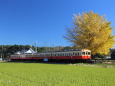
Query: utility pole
[[36, 43], [46, 47], [53, 48]]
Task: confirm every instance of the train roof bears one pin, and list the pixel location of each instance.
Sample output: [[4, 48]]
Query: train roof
[[72, 50], [68, 51]]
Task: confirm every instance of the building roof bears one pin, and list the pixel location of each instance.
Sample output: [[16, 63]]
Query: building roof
[[30, 51]]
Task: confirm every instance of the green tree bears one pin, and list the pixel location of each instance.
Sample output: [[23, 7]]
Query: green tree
[[91, 31]]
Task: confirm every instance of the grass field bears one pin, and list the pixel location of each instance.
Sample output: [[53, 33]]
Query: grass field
[[38, 74]]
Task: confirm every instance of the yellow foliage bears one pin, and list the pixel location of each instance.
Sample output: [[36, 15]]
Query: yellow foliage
[[91, 31]]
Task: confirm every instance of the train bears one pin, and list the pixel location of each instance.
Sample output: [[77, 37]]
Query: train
[[81, 54]]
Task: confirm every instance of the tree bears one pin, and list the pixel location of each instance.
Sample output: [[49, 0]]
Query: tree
[[91, 31]]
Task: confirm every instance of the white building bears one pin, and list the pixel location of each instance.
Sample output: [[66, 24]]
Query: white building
[[30, 51]]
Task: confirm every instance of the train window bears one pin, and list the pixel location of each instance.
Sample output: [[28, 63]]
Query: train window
[[88, 53], [53, 54], [47, 55], [70, 54], [79, 53], [83, 53], [76, 54], [56, 54], [73, 53], [65, 54]]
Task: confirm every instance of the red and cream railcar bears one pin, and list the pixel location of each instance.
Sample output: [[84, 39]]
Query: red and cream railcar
[[83, 54]]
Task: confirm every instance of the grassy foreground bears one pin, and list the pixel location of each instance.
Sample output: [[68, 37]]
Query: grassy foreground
[[37, 74]]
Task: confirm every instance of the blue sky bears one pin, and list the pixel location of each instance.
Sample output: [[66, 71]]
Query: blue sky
[[25, 21]]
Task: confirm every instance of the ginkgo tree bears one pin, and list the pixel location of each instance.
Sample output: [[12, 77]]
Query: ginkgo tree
[[91, 31]]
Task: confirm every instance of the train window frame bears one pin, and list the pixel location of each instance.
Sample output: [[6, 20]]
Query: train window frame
[[83, 53]]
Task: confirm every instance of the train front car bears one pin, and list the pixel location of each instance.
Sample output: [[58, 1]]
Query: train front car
[[86, 54], [82, 54]]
